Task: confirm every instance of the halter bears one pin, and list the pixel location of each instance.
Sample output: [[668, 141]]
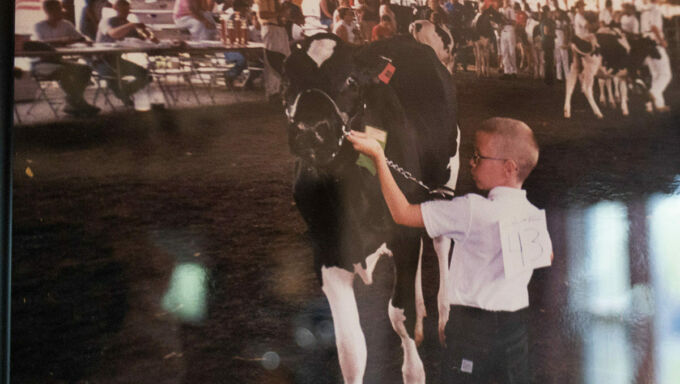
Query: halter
[[346, 121], [344, 117]]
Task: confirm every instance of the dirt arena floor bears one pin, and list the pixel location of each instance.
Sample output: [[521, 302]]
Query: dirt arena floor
[[108, 211]]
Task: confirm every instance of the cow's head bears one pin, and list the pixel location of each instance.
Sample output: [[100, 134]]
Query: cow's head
[[642, 48], [323, 87]]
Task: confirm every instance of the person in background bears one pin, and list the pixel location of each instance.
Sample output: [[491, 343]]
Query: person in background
[[336, 14], [239, 9], [254, 29], [365, 26], [521, 18], [651, 22], [629, 21], [561, 44], [327, 9], [386, 10], [112, 66], [276, 45], [91, 16], [606, 15], [73, 78], [196, 16], [548, 44], [345, 28], [383, 30], [508, 41]]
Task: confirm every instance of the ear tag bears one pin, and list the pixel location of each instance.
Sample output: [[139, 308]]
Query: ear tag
[[381, 137], [386, 75]]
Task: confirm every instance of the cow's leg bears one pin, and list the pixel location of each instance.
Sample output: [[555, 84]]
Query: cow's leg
[[610, 94], [421, 312], [601, 84], [371, 260], [590, 67], [349, 338], [570, 84], [402, 307], [442, 246], [622, 85]]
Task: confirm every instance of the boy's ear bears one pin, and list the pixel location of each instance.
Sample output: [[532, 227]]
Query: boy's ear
[[510, 167]]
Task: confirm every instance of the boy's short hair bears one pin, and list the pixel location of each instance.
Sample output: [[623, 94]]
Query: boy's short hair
[[516, 141]]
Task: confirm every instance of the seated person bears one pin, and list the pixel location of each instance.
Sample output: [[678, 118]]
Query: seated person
[[112, 65], [73, 77], [239, 9], [196, 16], [383, 30], [90, 17]]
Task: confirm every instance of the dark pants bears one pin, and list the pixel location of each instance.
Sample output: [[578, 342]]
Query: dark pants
[[239, 62], [72, 77], [485, 347], [115, 69], [549, 55]]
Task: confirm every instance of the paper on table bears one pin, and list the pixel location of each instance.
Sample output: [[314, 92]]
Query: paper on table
[[525, 243]]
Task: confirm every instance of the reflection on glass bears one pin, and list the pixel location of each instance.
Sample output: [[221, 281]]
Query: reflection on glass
[[607, 353], [664, 227], [187, 293]]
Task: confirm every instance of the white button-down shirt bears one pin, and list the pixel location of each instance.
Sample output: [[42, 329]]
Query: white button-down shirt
[[510, 15], [581, 26], [477, 277], [605, 16]]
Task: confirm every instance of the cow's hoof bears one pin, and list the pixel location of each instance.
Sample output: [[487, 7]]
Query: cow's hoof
[[567, 115], [612, 105], [600, 116]]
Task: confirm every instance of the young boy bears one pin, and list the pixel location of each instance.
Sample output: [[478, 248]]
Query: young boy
[[486, 336]]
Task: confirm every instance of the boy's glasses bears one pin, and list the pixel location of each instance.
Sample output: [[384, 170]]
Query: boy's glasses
[[476, 157]]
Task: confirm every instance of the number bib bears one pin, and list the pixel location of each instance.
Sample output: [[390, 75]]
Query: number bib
[[525, 243]]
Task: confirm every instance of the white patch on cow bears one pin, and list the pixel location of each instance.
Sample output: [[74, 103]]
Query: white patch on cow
[[454, 165], [320, 50], [428, 35], [421, 312], [371, 260], [591, 65], [412, 370], [442, 247], [349, 338]]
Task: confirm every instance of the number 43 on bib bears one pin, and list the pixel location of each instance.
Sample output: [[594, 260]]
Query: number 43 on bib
[[525, 243]]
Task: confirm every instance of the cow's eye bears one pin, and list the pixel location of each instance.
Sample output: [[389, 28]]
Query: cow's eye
[[351, 83]]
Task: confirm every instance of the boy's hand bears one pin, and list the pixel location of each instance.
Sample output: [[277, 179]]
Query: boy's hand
[[365, 144]]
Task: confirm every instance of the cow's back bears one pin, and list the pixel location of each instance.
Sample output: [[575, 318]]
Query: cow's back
[[426, 92]]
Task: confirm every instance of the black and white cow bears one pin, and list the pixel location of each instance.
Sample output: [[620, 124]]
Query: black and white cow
[[484, 38], [399, 87], [438, 37], [615, 57]]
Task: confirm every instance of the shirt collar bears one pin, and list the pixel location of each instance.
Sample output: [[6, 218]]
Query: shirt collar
[[506, 192]]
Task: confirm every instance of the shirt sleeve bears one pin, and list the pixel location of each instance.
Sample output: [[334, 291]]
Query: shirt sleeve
[[72, 32], [450, 218]]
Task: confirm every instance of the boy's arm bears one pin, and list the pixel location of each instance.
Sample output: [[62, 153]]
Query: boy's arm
[[403, 212]]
